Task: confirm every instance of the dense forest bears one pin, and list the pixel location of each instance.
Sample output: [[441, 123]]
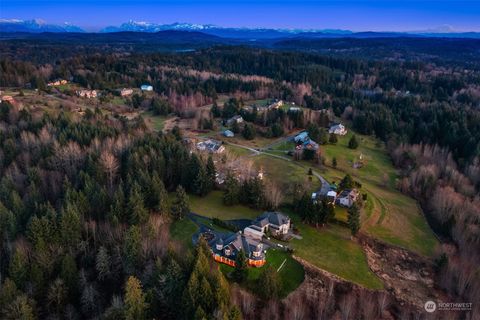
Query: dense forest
[[83, 201]]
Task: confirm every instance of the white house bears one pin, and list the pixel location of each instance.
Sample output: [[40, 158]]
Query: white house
[[126, 92], [87, 93], [235, 119], [212, 146], [277, 223], [347, 197], [146, 87], [338, 129]]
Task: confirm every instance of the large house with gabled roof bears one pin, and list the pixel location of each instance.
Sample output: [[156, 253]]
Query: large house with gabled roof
[[225, 250]]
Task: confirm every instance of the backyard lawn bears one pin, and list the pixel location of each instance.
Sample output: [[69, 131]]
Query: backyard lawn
[[331, 249], [182, 231], [291, 274]]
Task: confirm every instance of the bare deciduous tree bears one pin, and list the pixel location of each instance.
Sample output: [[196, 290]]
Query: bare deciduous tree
[[110, 166]]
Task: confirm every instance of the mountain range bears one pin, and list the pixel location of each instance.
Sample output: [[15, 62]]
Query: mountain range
[[35, 26], [251, 34]]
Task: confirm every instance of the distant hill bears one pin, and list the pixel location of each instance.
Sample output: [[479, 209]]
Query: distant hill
[[168, 36], [35, 26]]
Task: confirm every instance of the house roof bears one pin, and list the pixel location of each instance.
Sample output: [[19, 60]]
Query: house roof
[[228, 133], [301, 136], [276, 218], [310, 144], [236, 242]]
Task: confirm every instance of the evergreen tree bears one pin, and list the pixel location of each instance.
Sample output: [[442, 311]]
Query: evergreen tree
[[333, 138], [313, 131], [235, 127], [215, 110], [21, 308], [180, 207], [231, 191], [18, 268], [211, 172], [249, 132], [137, 212], [69, 274], [192, 172], [353, 143], [334, 162], [57, 296], [268, 284], [135, 305], [234, 314], [7, 222], [132, 247], [200, 314], [70, 227], [102, 264], [347, 182], [163, 206], [241, 271], [201, 184], [322, 137], [354, 219], [117, 208]]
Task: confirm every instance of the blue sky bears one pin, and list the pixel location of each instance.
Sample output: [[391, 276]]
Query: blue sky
[[357, 15]]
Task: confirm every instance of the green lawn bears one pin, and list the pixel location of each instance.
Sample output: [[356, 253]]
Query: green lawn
[[331, 249], [284, 146], [389, 215], [291, 275], [212, 206], [182, 231], [285, 173], [154, 121], [117, 100], [341, 213], [237, 151]]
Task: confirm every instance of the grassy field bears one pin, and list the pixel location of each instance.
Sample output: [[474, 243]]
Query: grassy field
[[237, 151], [291, 275], [212, 206], [331, 249], [390, 215], [118, 100], [284, 146], [182, 231], [285, 173], [155, 122]]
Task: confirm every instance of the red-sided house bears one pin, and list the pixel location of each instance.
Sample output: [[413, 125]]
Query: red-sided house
[[225, 250]]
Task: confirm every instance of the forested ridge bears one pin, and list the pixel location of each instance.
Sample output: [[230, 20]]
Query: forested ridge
[[412, 101]]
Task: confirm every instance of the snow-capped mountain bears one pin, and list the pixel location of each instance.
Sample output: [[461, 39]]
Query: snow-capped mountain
[[142, 26], [35, 26], [239, 33]]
